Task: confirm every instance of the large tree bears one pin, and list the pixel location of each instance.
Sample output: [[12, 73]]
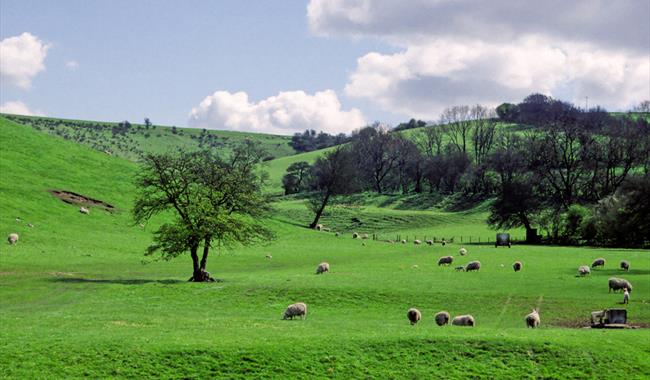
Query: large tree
[[215, 202], [334, 174]]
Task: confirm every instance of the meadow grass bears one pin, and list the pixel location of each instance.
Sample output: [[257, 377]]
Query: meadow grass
[[76, 299]]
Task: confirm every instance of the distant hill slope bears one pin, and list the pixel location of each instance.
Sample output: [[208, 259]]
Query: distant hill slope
[[131, 142]]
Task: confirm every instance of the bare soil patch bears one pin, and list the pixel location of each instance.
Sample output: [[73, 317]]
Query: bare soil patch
[[82, 200]]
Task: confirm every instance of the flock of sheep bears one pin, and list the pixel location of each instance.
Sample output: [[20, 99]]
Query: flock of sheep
[[442, 318]]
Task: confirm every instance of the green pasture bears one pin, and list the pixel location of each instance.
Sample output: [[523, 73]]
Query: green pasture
[[79, 299]]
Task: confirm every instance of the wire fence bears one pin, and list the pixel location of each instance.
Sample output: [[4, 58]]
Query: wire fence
[[431, 239]]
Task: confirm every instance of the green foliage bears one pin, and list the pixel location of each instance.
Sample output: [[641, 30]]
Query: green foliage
[[508, 112], [572, 224]]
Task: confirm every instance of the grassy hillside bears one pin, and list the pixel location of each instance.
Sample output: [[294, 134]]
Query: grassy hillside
[[77, 301], [131, 142]]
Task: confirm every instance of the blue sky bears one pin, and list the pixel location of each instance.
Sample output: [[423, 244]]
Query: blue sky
[[282, 66]]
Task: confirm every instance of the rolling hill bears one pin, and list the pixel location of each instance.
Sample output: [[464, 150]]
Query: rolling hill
[[78, 301]]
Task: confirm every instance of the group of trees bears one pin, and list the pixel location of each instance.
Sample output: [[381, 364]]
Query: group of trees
[[309, 140], [563, 175]]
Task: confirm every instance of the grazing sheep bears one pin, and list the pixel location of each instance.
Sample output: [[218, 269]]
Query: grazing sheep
[[517, 266], [84, 210], [403, 241], [625, 265], [12, 238], [30, 225], [415, 266], [337, 234], [298, 309], [532, 319], [473, 265], [460, 268], [443, 242], [442, 318], [462, 251], [463, 320], [364, 236], [414, 315], [322, 268], [355, 235], [445, 260], [616, 284], [584, 270], [269, 257], [429, 242], [600, 262], [319, 227], [417, 242]]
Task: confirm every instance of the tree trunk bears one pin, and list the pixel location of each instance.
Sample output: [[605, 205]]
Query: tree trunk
[[320, 211], [199, 274]]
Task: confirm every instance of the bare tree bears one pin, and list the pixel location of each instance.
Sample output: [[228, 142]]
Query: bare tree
[[376, 154], [458, 120]]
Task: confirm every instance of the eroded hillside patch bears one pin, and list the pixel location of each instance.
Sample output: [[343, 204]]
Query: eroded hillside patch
[[81, 200]]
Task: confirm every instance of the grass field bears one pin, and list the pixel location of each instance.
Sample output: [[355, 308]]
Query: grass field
[[76, 299], [131, 143]]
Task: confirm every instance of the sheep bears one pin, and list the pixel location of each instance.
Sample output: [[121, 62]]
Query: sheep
[[326, 229], [460, 268], [413, 315], [269, 257], [30, 225], [12, 238], [619, 284], [463, 320], [445, 260], [532, 319], [319, 227], [443, 242], [84, 210], [322, 268], [442, 318], [403, 241], [584, 270], [462, 251], [337, 234], [429, 242], [415, 266], [600, 262], [625, 265], [473, 265], [364, 236], [355, 235], [417, 242], [298, 309], [517, 266]]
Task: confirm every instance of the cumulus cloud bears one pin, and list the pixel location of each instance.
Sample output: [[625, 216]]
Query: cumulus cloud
[[462, 51], [286, 113], [21, 59], [18, 108]]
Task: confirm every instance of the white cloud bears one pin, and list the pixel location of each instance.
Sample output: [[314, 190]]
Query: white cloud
[[21, 59], [72, 65], [463, 51], [286, 113], [18, 108], [424, 79]]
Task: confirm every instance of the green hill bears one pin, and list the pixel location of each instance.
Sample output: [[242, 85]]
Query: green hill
[[132, 141], [77, 301]]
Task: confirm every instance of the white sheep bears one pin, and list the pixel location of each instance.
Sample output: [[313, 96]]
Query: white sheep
[[322, 268], [583, 270], [413, 315], [463, 320], [84, 210], [298, 309], [319, 227], [12, 238], [462, 251], [442, 318], [417, 242], [429, 242], [532, 319]]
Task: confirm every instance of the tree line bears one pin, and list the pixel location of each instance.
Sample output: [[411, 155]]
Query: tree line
[[576, 176]]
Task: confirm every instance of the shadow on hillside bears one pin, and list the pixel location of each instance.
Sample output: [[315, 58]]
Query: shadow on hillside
[[135, 281]]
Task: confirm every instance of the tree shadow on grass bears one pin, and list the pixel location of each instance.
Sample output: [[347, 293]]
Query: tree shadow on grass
[[134, 281]]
